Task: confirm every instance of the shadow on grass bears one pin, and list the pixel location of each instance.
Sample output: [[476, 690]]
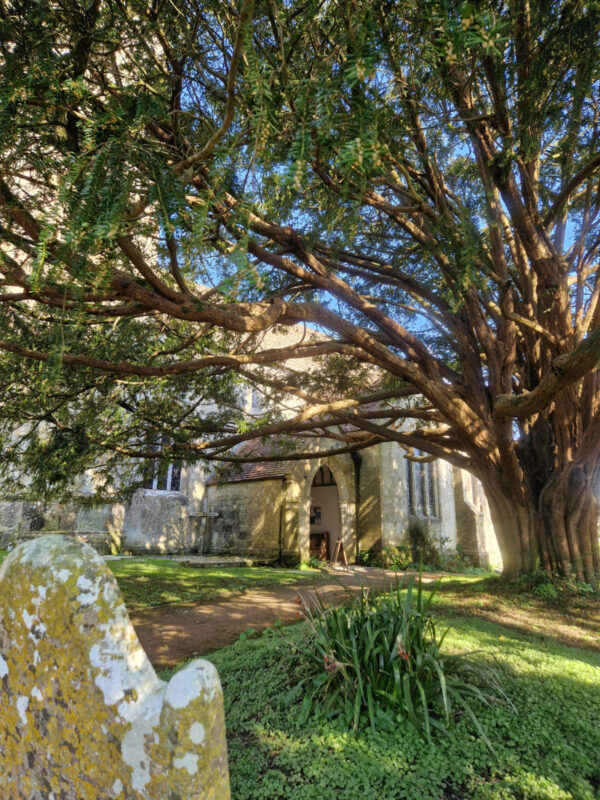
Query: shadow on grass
[[148, 583], [575, 625]]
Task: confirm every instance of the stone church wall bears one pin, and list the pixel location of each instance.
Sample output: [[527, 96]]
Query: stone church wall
[[477, 540], [249, 519], [268, 519], [157, 522], [153, 522], [369, 513], [394, 503], [20, 517]]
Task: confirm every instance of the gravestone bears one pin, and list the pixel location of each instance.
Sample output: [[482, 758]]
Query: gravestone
[[83, 715]]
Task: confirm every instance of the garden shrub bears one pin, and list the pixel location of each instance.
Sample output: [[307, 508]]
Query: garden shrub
[[425, 548], [398, 557], [380, 659], [553, 589], [545, 591], [369, 558]]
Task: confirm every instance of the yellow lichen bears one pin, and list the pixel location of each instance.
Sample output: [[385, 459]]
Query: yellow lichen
[[97, 687]]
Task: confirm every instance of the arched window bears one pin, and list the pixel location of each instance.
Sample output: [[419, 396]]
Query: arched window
[[324, 477]]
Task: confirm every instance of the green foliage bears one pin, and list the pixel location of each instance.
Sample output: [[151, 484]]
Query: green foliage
[[389, 558], [405, 175], [247, 634], [379, 659], [547, 750], [425, 547], [367, 558], [65, 453], [545, 591], [553, 588], [311, 564], [457, 561], [567, 610]]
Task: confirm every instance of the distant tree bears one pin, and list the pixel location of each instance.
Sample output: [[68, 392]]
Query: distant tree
[[419, 181]]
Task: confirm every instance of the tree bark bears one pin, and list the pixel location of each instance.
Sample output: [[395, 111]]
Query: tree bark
[[569, 514], [556, 531], [514, 526]]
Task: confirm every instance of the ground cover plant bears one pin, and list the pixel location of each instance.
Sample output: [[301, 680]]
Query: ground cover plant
[[547, 749], [146, 582]]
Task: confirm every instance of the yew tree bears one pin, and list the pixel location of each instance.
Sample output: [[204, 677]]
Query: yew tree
[[415, 183]]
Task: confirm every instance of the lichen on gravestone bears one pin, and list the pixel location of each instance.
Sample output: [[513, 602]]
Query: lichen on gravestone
[[83, 714]]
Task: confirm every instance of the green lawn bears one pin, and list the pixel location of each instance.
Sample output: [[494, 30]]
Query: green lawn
[[567, 611], [146, 582], [3, 554], [548, 750]]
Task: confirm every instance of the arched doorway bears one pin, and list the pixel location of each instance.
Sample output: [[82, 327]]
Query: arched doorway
[[334, 495], [324, 519]]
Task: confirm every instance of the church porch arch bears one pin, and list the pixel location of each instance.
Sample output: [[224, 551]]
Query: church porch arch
[[342, 471]]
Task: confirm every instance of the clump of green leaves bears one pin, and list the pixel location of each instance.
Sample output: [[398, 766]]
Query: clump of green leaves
[[397, 557], [380, 659], [552, 588]]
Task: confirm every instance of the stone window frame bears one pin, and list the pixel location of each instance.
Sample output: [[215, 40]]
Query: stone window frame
[[168, 480], [422, 481], [322, 479], [153, 476]]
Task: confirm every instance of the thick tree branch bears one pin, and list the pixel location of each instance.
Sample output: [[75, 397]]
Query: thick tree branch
[[564, 371]]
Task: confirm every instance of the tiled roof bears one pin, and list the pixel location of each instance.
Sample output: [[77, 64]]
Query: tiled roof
[[252, 471]]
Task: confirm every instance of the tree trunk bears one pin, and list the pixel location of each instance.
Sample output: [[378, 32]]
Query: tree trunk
[[557, 531], [515, 529], [569, 522]]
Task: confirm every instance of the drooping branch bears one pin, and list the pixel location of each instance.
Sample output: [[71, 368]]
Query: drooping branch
[[576, 181], [179, 367]]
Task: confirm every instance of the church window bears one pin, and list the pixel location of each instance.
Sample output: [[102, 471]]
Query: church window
[[410, 487], [164, 477], [161, 475], [324, 477], [432, 495], [421, 484]]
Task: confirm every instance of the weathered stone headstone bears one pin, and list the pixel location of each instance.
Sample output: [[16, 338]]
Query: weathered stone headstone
[[82, 712]]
